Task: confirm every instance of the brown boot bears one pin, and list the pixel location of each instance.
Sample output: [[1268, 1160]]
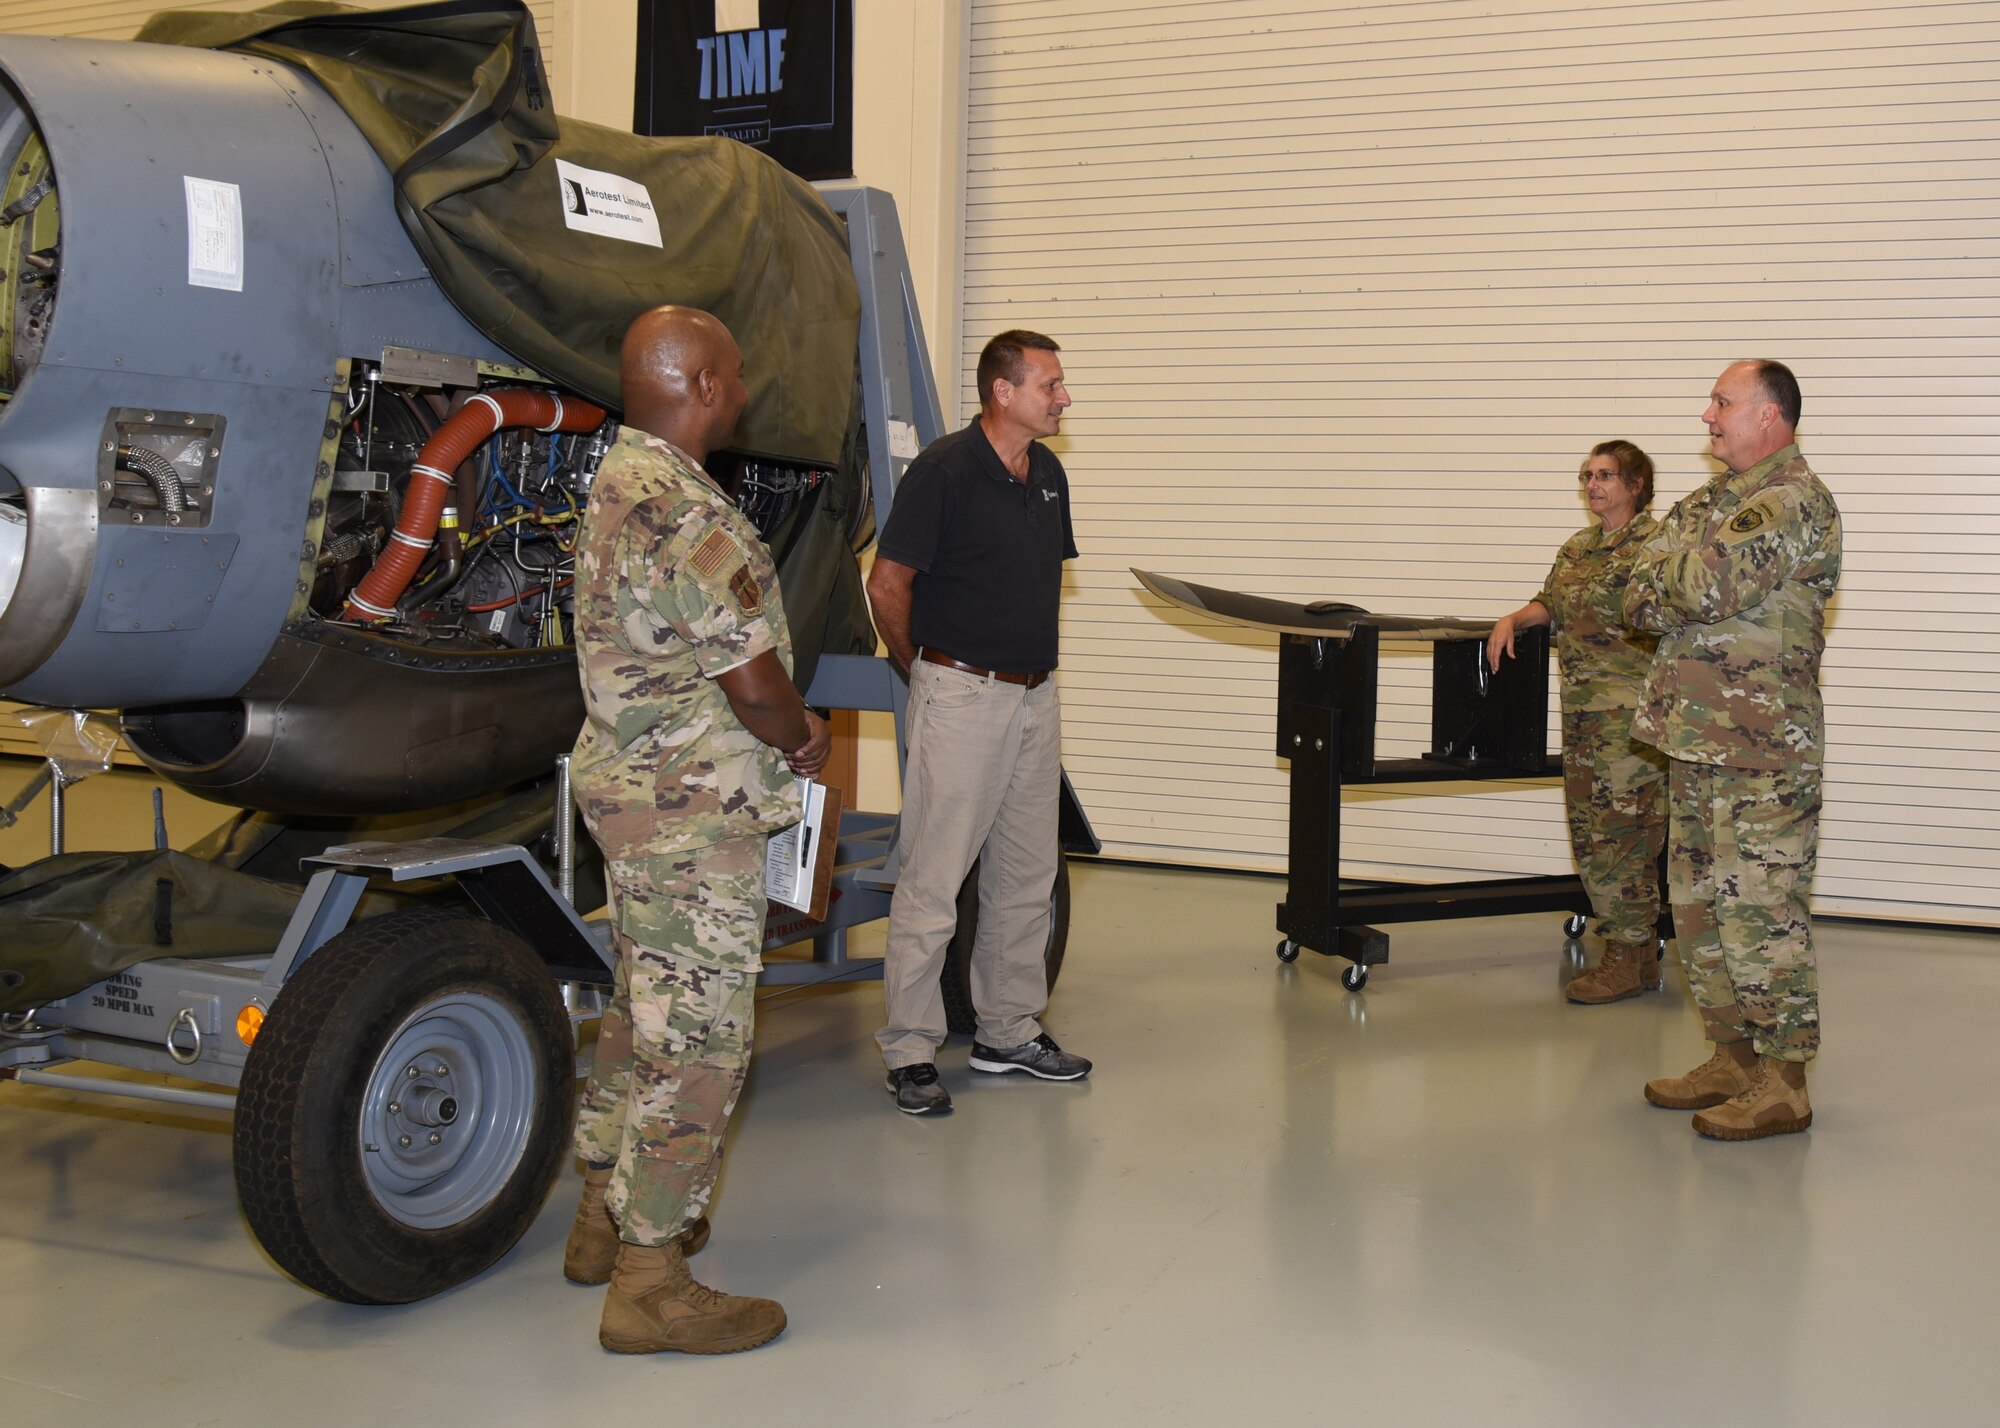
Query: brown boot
[[654, 1306], [1628, 968], [593, 1237], [1775, 1104], [1725, 1074]]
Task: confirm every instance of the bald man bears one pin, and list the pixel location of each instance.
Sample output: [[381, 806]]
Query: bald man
[[1735, 582], [684, 767]]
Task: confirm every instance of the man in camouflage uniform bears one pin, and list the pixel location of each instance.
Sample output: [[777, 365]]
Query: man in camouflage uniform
[[1612, 784], [679, 771], [1735, 582]]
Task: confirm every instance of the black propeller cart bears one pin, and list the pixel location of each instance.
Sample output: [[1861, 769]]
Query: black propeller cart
[[1484, 725]]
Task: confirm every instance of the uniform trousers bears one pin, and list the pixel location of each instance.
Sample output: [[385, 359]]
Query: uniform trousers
[[1742, 848], [674, 1045], [982, 782], [1614, 792]]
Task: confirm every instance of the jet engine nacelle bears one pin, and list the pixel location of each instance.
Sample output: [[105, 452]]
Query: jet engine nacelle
[[223, 360]]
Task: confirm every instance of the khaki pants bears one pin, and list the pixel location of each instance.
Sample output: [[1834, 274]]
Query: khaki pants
[[983, 781]]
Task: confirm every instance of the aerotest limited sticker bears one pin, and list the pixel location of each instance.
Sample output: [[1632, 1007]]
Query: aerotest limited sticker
[[607, 205], [215, 234]]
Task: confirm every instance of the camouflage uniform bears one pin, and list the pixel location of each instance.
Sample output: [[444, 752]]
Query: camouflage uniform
[[673, 588], [1611, 783], [1736, 580]]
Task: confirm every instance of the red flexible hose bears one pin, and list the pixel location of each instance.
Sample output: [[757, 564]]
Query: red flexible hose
[[431, 483]]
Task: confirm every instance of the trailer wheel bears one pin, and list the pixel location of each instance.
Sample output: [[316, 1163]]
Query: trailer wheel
[[956, 980], [406, 1107]]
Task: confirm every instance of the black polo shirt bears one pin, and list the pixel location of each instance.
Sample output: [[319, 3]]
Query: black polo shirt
[[988, 550]]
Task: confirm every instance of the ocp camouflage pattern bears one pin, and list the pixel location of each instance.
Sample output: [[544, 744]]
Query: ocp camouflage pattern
[[1743, 845], [1614, 793], [673, 587], [674, 1044], [1735, 582], [1604, 661]]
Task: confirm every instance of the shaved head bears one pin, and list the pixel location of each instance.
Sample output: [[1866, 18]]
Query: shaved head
[[681, 376]]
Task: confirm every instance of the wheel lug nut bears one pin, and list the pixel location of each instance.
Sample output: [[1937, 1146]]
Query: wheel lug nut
[[411, 1072], [395, 1108], [403, 1141], [436, 1139], [440, 1069]]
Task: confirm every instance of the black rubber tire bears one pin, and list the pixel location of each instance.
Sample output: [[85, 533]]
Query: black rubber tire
[[1573, 925], [305, 1095], [1288, 950], [1354, 978], [956, 979]]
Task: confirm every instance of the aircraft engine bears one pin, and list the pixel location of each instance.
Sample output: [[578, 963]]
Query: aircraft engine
[[262, 488]]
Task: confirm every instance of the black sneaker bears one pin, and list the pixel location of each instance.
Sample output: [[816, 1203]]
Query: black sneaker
[[1040, 1057], [918, 1090]]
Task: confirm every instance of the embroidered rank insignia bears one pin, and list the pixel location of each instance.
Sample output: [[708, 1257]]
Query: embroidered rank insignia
[[713, 552], [743, 585]]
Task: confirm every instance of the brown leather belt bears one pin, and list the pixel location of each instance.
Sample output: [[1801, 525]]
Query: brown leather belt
[[1032, 681]]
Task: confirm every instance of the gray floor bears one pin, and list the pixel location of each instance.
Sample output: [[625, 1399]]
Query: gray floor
[[1440, 1201]]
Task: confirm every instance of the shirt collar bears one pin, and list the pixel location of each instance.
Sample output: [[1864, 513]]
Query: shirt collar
[[646, 440], [1744, 480], [992, 465]]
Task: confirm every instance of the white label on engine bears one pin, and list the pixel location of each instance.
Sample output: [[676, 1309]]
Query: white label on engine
[[607, 205], [215, 234]]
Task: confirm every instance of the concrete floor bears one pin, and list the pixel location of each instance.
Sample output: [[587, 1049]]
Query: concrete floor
[[1441, 1201]]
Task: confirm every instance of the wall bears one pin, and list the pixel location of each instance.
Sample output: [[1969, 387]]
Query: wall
[[1347, 290]]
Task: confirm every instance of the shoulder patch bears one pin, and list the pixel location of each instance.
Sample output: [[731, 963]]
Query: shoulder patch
[[714, 551], [743, 585], [1753, 520]]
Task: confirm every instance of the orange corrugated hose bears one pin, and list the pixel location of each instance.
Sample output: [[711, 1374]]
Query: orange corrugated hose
[[431, 483]]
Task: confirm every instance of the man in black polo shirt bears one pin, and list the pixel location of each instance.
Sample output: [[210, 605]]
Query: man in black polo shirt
[[964, 591]]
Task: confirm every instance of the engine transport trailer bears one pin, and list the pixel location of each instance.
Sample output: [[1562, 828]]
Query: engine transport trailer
[[232, 340]]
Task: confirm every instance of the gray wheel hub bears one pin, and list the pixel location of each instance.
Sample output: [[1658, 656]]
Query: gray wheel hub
[[448, 1110]]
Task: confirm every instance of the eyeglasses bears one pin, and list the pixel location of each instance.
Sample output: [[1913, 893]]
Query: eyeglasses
[[1584, 478]]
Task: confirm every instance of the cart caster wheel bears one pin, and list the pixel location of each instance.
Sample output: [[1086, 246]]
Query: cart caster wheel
[[1288, 951], [1573, 925], [1354, 978]]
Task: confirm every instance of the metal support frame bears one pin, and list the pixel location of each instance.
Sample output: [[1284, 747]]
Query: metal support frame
[[1326, 728]]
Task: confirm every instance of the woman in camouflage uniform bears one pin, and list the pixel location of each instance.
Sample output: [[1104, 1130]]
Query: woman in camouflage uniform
[[1612, 785]]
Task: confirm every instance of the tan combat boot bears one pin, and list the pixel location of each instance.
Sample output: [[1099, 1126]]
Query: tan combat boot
[[1628, 968], [593, 1237], [655, 1306], [1775, 1104], [1725, 1074]]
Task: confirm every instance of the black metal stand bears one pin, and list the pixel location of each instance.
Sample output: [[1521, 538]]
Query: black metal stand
[[1482, 727]]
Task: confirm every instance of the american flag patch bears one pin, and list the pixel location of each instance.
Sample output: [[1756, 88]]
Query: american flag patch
[[714, 551]]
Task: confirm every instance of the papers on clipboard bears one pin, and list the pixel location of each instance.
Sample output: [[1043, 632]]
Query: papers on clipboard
[[798, 861]]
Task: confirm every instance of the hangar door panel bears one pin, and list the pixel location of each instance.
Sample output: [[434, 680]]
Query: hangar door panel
[[1347, 291]]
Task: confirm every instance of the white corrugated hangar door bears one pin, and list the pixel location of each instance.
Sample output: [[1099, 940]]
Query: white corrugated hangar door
[[1346, 292]]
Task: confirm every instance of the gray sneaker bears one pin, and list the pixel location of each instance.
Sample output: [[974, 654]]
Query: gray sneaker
[[1040, 1057], [917, 1089]]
